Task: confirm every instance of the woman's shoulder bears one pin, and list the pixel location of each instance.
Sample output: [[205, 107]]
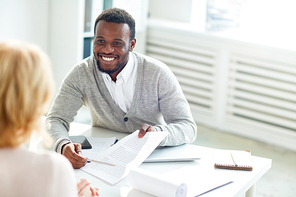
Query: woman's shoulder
[[41, 158], [51, 172], [52, 158]]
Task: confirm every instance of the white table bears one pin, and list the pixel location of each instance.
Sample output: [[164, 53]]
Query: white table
[[244, 181]]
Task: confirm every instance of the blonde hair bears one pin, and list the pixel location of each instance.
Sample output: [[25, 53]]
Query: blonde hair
[[26, 87]]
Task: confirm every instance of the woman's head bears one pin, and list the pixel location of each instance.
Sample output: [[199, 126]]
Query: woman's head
[[26, 87]]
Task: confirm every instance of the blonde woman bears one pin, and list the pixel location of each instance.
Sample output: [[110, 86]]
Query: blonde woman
[[26, 87]]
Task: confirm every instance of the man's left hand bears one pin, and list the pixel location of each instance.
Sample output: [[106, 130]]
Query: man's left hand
[[145, 128]]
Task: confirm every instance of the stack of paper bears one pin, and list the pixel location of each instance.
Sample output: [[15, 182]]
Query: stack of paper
[[155, 184]]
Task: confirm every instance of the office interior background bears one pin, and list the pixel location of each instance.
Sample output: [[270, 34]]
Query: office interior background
[[235, 61]]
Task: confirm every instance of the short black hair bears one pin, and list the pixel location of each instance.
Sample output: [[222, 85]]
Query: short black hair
[[117, 15]]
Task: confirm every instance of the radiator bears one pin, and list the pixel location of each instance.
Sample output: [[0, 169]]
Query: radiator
[[194, 67], [263, 92], [236, 87]]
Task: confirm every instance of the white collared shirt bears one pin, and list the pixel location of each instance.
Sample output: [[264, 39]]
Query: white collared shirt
[[122, 91]]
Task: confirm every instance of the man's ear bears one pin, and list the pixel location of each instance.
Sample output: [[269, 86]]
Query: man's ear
[[133, 44]]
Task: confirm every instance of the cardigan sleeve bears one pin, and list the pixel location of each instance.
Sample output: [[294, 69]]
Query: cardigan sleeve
[[175, 110], [64, 108]]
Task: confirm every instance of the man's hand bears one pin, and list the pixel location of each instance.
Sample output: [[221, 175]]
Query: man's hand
[[73, 153], [145, 128]]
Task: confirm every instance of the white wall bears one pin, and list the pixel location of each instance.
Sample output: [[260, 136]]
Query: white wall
[[175, 10], [55, 25], [139, 11], [65, 40], [191, 13], [25, 20]]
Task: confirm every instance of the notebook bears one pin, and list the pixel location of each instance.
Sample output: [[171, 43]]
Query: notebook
[[183, 152], [232, 160]]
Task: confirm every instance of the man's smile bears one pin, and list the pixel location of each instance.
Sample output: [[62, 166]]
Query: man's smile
[[109, 63], [109, 59]]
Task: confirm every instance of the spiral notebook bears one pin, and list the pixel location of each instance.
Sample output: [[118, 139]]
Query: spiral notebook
[[233, 160]]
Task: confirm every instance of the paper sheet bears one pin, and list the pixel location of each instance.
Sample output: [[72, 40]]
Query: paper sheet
[[199, 181], [126, 154], [99, 145], [155, 184]]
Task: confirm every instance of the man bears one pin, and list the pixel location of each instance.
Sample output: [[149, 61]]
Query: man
[[123, 90]]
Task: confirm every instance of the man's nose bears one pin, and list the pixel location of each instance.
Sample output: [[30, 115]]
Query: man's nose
[[108, 49]]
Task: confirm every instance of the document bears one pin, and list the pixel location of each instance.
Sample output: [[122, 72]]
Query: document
[[126, 154], [155, 184], [99, 145]]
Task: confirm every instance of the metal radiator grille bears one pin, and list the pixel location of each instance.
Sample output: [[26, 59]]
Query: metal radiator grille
[[263, 91], [194, 66]]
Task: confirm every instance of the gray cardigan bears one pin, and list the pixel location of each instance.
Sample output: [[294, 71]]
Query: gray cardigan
[[158, 100]]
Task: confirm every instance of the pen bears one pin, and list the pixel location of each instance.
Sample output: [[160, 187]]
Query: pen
[[100, 162], [233, 159], [115, 142], [215, 188]]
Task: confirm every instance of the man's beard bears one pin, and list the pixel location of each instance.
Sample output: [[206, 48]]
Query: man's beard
[[118, 66]]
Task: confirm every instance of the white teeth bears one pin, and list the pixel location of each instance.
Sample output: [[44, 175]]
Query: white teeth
[[108, 58]]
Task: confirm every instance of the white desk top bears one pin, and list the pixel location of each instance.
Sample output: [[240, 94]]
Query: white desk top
[[200, 169]]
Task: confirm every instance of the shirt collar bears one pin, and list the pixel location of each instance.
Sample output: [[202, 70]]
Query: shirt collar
[[125, 72]]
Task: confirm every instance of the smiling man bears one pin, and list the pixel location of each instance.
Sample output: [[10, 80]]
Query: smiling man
[[111, 47], [123, 90]]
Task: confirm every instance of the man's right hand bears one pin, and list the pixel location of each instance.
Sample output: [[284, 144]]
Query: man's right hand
[[73, 153]]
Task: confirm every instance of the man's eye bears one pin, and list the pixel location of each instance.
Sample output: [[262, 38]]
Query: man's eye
[[117, 43], [100, 41]]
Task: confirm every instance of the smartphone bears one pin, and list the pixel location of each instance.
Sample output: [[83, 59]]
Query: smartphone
[[81, 139]]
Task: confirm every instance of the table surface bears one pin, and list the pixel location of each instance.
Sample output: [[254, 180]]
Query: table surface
[[201, 169]]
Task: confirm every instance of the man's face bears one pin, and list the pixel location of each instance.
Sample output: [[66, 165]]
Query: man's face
[[111, 46]]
